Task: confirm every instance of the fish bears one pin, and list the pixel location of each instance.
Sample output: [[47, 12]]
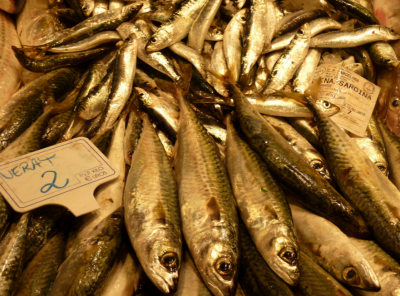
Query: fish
[[392, 146], [86, 269], [208, 211], [143, 80], [66, 14], [232, 43], [255, 34], [122, 84], [382, 54], [289, 61], [214, 34], [100, 6], [373, 195], [109, 196], [200, 26], [40, 273], [355, 10], [177, 26], [12, 248], [308, 129], [115, 4], [305, 73], [91, 42], [218, 64], [261, 74], [299, 18], [316, 26], [126, 275], [83, 8], [255, 276], [354, 37], [363, 57], [152, 211], [106, 21], [94, 103], [331, 249], [44, 223], [156, 60], [133, 131], [317, 282], [11, 70], [190, 54], [26, 105], [49, 63], [386, 268], [302, 146], [263, 208], [294, 171]]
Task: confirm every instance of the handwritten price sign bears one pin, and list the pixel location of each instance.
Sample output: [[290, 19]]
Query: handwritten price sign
[[65, 174]]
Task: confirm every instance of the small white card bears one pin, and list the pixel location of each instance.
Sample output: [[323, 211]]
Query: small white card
[[65, 174], [355, 96]]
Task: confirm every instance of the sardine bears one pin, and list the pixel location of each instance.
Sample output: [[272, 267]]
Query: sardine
[[191, 55], [218, 64], [382, 54], [289, 61], [208, 211], [214, 34], [10, 74], [299, 18], [263, 208], [316, 193], [302, 147], [355, 10], [86, 269], [363, 57], [256, 277], [143, 80], [305, 73], [315, 281], [316, 26], [177, 26], [109, 196], [89, 43], [12, 248], [152, 211], [200, 26], [157, 60], [331, 249], [308, 129], [132, 133], [49, 63], [233, 44], [124, 73], [41, 272], [355, 37]]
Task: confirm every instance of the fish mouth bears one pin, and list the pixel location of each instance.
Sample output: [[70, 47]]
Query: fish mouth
[[150, 47], [165, 287]]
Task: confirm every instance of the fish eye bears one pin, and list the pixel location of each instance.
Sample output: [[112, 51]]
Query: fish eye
[[289, 255], [243, 18], [350, 275], [128, 39], [224, 266], [388, 61], [381, 167], [218, 32], [170, 261], [301, 31], [153, 40], [317, 165], [395, 103], [326, 104]]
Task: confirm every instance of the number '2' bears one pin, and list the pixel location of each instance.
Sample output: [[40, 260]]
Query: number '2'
[[50, 185]]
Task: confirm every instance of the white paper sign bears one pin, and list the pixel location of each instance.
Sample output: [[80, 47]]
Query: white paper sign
[[355, 96], [65, 174]]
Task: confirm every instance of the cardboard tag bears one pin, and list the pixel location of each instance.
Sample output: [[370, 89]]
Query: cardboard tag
[[65, 174], [355, 96]]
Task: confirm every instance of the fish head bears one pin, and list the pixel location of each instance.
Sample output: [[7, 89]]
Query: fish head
[[219, 269], [283, 254], [21, 56], [327, 107], [163, 262], [304, 32], [393, 115], [319, 164], [241, 16], [217, 33], [160, 39], [361, 275], [131, 10]]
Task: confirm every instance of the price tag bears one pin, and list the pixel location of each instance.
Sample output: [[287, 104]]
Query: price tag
[[355, 96], [65, 174]]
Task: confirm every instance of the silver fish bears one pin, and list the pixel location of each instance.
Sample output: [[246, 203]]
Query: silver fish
[[305, 73], [177, 26], [152, 211], [233, 44], [353, 38], [191, 55], [289, 61], [218, 64]]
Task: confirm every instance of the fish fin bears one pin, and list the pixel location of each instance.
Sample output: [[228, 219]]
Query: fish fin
[[213, 209]]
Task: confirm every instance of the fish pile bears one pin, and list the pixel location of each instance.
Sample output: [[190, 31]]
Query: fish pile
[[234, 180]]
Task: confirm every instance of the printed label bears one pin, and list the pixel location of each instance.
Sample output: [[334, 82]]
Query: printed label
[[355, 96], [65, 174]]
